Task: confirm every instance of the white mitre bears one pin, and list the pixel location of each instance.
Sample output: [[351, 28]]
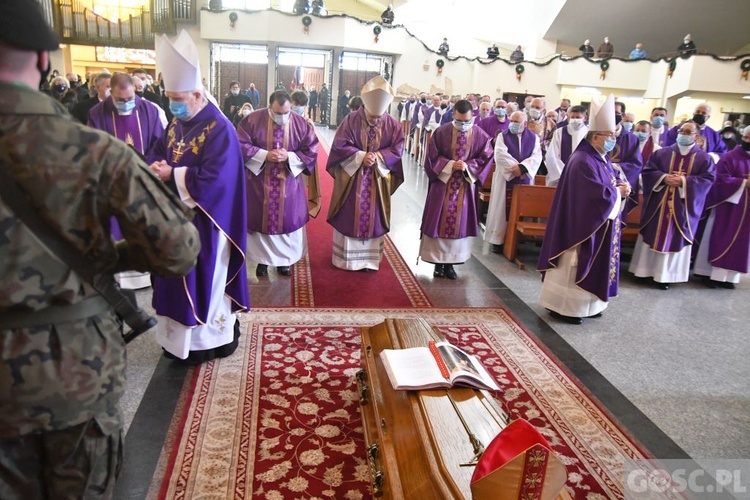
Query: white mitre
[[602, 117], [178, 63], [377, 95]]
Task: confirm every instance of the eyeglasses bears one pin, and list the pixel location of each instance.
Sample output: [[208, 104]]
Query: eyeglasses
[[686, 132], [609, 135]]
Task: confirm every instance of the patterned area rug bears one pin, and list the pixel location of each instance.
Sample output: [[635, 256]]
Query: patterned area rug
[[280, 418]]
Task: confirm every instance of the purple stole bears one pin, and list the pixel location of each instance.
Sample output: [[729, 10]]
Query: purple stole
[[415, 116], [528, 139], [566, 145], [450, 222], [274, 181], [669, 222]]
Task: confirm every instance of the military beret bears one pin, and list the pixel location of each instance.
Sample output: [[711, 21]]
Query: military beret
[[22, 25]]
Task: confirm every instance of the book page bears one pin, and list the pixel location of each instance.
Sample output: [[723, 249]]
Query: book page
[[413, 368], [465, 368]]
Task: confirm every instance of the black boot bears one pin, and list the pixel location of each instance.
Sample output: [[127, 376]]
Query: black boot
[[439, 271]]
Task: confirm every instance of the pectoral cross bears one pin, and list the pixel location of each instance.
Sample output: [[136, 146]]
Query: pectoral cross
[[177, 153], [129, 140]]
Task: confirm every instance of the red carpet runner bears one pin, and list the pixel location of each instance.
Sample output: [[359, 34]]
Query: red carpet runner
[[317, 283]]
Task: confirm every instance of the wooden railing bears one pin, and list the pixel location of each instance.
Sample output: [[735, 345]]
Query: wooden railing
[[76, 23]]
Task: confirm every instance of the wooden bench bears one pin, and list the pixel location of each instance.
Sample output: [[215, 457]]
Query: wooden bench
[[529, 210], [633, 224], [483, 194]]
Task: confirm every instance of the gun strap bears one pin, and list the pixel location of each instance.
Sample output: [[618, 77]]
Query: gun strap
[[53, 315]]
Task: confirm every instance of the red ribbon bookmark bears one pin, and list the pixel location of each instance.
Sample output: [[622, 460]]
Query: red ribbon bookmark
[[439, 360]]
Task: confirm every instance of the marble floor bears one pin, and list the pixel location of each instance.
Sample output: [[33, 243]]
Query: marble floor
[[671, 366]]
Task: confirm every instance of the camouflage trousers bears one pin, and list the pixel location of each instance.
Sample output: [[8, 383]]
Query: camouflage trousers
[[73, 463]]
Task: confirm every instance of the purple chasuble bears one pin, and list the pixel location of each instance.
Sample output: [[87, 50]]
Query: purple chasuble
[[668, 221], [276, 200], [492, 126], [139, 130], [528, 140], [426, 114], [627, 155], [451, 208], [360, 205], [730, 239], [585, 197], [709, 140], [207, 145]]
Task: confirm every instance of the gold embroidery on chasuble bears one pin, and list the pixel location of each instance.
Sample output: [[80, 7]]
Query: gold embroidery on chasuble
[[274, 180], [667, 211], [455, 189], [178, 148], [365, 201]]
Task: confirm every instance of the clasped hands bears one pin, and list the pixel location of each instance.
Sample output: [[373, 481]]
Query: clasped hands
[[624, 190], [371, 159], [161, 169], [277, 155], [516, 171], [459, 165], [673, 180]]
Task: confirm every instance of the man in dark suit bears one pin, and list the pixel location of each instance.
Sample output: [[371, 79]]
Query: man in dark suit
[[101, 84]]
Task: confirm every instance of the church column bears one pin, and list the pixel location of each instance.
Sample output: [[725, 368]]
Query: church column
[[273, 49], [335, 87]]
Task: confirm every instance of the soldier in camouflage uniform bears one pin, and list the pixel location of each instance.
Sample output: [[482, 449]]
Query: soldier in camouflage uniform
[[60, 429]]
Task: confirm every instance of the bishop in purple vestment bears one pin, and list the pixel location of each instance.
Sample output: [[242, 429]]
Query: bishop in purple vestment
[[365, 162], [277, 147], [199, 157], [458, 158], [580, 256], [724, 253], [676, 182]]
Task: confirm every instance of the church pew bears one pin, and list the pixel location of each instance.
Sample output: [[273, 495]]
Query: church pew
[[483, 193], [540, 180], [529, 209], [633, 224]]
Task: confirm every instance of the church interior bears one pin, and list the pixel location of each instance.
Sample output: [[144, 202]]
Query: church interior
[[667, 369]]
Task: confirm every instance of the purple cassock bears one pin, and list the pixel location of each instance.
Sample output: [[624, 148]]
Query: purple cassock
[[360, 205], [669, 221], [585, 196], [709, 140], [207, 145], [415, 115], [492, 126], [426, 114], [141, 129], [450, 211], [276, 200], [627, 155], [728, 248]]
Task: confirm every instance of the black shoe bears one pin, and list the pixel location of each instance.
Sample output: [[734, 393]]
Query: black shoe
[[450, 273], [497, 248], [662, 286], [566, 319], [261, 270], [597, 315], [641, 280], [439, 271], [284, 270], [725, 284], [709, 282]]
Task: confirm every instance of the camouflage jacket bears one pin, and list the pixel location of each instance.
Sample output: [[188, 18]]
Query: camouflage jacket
[[56, 376]]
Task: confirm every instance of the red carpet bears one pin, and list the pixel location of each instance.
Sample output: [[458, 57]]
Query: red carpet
[[280, 419], [317, 283]]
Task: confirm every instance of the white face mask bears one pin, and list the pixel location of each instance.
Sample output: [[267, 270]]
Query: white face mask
[[235, 91], [462, 126], [246, 112], [535, 113], [280, 119], [576, 123]]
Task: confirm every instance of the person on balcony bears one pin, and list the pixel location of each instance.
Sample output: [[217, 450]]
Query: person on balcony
[[638, 52], [605, 50], [687, 47], [586, 49], [493, 52], [387, 16], [517, 55], [444, 48]]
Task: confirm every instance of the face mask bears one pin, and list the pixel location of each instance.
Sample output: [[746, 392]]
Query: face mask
[[280, 119], [699, 119], [125, 108], [423, 101], [73, 85], [576, 123], [443, 106], [412, 99], [609, 145], [300, 110], [745, 146], [618, 119], [515, 128], [60, 88], [685, 140], [535, 113], [563, 110], [642, 136], [500, 112], [235, 92], [179, 110], [627, 126], [462, 126], [657, 121], [245, 112], [728, 136], [107, 93]]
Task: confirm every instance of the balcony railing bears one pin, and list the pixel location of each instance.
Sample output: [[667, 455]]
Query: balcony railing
[[76, 23]]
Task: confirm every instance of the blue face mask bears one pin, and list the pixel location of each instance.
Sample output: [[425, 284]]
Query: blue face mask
[[642, 136], [685, 140], [609, 145], [179, 110], [463, 126], [627, 126], [125, 108], [300, 110], [657, 121], [514, 128], [500, 112]]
